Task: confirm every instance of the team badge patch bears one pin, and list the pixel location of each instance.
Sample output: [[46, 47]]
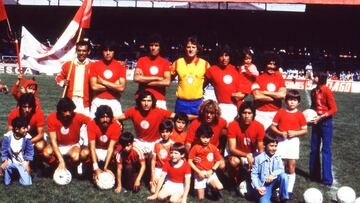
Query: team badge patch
[[163, 154], [210, 156], [64, 130], [271, 87], [144, 124], [227, 79], [108, 74], [190, 79], [154, 70], [103, 138]]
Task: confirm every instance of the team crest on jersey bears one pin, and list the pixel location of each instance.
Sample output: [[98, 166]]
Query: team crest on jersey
[[103, 138], [64, 130], [190, 79], [144, 124], [210, 156], [227, 79], [154, 70], [108, 74], [271, 87], [163, 154], [247, 141]]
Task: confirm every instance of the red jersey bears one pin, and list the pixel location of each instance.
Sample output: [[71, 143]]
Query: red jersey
[[155, 67], [162, 152], [209, 155], [37, 120], [69, 135], [216, 128], [133, 157], [225, 81], [323, 101], [102, 139], [177, 175], [112, 73], [147, 126], [286, 120], [176, 137], [272, 83], [23, 84], [247, 139]]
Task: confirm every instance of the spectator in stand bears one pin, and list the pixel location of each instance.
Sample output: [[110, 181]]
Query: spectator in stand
[[342, 75]]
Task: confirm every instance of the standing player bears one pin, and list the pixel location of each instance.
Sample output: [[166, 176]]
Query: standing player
[[152, 72], [268, 91], [78, 83], [103, 134], [191, 76], [225, 79], [245, 139], [287, 126], [323, 102], [64, 131], [107, 80]]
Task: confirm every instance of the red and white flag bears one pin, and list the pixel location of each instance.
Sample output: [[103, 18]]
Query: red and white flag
[[49, 60], [3, 15]]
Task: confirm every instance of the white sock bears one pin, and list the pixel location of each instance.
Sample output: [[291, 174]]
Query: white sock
[[291, 181], [79, 169]]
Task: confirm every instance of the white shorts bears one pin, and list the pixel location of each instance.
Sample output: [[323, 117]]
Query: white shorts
[[144, 146], [101, 154], [84, 140], [201, 184], [79, 103], [158, 172], [289, 148], [113, 103], [265, 118], [174, 187], [228, 112], [64, 149], [161, 104]]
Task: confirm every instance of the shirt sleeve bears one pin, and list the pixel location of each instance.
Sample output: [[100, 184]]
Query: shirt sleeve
[[276, 118], [330, 102], [190, 137], [40, 119], [91, 131], [51, 123]]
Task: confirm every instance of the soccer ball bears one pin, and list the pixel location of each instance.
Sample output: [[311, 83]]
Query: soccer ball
[[313, 195], [242, 188], [310, 114], [62, 177], [357, 200], [345, 194], [105, 180]]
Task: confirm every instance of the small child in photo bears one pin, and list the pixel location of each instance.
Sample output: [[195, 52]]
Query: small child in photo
[[17, 152], [130, 164], [176, 174], [161, 153], [207, 162], [181, 120]]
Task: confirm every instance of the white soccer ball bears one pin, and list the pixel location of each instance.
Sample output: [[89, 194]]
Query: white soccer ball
[[313, 195], [62, 177], [357, 200], [105, 180], [242, 188], [310, 114], [345, 194]]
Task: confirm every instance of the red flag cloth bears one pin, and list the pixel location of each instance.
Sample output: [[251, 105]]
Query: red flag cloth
[[3, 15], [83, 15]]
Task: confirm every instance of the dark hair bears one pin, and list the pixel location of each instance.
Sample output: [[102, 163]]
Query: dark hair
[[181, 116], [166, 125], [154, 38], [101, 111], [178, 147], [83, 43], [141, 96], [125, 139], [322, 79], [247, 52], [293, 94], [269, 139], [18, 122], [247, 105], [193, 40], [204, 130], [65, 104], [109, 45], [222, 49], [27, 98], [268, 58]]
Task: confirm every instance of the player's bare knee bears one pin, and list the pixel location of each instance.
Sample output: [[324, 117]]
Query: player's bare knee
[[74, 156], [47, 152], [84, 154], [40, 145]]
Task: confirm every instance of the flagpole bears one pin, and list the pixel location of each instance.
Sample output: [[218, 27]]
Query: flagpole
[[71, 66]]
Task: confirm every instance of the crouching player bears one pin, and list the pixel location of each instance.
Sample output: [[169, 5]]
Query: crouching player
[[16, 152], [103, 133], [130, 164], [208, 161], [176, 174], [268, 173]]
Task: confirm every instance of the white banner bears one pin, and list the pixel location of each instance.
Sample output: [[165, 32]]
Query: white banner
[[334, 85]]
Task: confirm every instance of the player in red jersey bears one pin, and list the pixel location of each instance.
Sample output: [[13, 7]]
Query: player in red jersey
[[268, 91], [225, 79], [23, 85], [107, 80], [181, 120], [28, 110], [161, 153], [64, 131], [176, 174], [130, 164], [78, 82], [287, 126], [208, 162], [103, 134], [245, 139], [152, 72], [146, 118]]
